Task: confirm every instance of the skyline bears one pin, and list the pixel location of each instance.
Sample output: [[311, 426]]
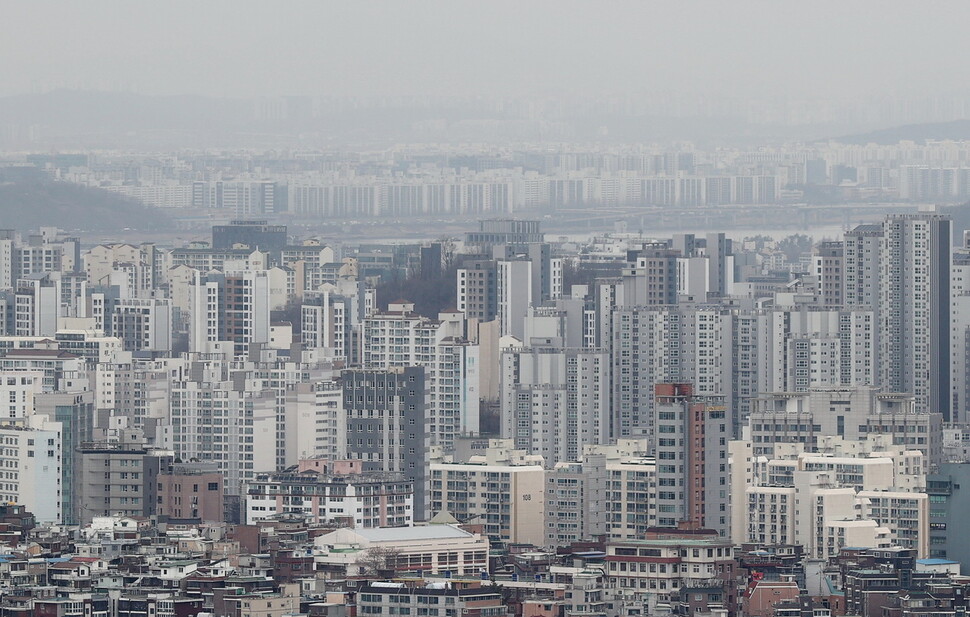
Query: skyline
[[497, 309]]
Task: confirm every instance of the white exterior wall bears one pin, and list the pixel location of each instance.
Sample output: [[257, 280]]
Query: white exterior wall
[[205, 315], [17, 391], [960, 337], [238, 434], [451, 364], [316, 423], [826, 502], [856, 533], [904, 514], [568, 407], [420, 551], [30, 468], [154, 331], [323, 508], [514, 287]]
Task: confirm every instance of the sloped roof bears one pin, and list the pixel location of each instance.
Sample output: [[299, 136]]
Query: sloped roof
[[443, 518]]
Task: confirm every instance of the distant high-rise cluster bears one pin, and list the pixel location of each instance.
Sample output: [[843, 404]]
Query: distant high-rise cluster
[[622, 392], [487, 181]]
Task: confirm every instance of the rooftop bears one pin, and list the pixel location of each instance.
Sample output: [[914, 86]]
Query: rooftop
[[426, 532], [674, 542]]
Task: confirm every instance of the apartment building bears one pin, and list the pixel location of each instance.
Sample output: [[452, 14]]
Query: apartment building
[[555, 400], [914, 296], [854, 413], [828, 263], [663, 566], [222, 422], [314, 420], [398, 337], [610, 491], [111, 477], [866, 494], [344, 494], [690, 446], [477, 294], [30, 467], [142, 324], [503, 490], [388, 428]]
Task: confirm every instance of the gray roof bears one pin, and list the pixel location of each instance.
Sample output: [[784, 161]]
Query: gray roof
[[443, 518], [425, 532]]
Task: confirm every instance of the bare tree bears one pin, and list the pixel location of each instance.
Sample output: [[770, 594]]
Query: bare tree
[[449, 249], [379, 560]]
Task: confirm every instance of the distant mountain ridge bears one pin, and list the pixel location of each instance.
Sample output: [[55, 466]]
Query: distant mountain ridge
[[956, 130], [79, 120], [29, 202], [121, 110]]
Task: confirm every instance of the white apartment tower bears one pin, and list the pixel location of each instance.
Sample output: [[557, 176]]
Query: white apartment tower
[[555, 400], [514, 295], [399, 337], [222, 423], [233, 307], [36, 306], [30, 467]]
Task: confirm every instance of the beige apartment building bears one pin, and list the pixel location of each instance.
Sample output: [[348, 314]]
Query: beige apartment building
[[504, 490]]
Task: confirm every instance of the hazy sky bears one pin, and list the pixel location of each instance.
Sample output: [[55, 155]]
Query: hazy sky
[[846, 48]]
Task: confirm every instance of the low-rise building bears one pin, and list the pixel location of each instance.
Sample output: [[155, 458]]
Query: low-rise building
[[232, 601], [663, 566], [430, 599], [191, 490], [428, 548], [344, 494]]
